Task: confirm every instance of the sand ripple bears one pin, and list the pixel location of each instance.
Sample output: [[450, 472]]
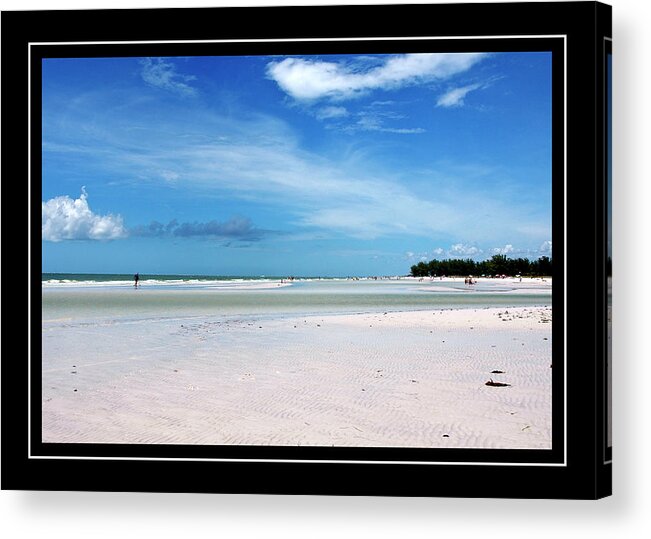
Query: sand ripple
[[410, 379]]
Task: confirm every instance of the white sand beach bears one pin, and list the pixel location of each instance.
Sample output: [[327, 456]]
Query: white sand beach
[[390, 379]]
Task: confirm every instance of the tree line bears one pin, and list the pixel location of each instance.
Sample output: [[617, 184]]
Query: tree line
[[496, 265]]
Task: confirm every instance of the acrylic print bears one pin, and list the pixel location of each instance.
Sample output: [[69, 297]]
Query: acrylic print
[[298, 250]]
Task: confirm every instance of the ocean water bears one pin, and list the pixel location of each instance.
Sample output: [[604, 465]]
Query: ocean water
[[123, 279], [112, 297]]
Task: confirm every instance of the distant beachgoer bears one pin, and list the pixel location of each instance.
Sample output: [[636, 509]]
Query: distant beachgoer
[[136, 278]]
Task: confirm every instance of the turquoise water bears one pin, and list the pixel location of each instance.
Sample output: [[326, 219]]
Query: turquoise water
[[124, 278], [111, 297]]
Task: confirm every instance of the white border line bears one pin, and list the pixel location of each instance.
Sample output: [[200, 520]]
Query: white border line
[[295, 40], [29, 252], [302, 461], [564, 255], [308, 40]]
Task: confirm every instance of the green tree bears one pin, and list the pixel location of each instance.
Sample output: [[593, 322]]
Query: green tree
[[496, 265]]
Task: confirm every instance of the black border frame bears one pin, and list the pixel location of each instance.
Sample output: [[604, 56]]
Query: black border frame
[[607, 194], [554, 45], [569, 470]]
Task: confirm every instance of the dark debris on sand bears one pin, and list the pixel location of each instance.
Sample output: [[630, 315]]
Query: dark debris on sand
[[496, 384]]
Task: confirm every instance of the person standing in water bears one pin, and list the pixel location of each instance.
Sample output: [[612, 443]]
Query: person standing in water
[[136, 278]]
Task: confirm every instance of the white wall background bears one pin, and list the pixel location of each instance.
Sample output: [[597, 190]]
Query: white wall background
[[626, 514]]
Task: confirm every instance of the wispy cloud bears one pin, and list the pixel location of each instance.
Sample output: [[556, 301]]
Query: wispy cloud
[[307, 80], [403, 130], [258, 160], [315, 193], [369, 121], [328, 113], [159, 73], [236, 229], [375, 120], [63, 218], [455, 96]]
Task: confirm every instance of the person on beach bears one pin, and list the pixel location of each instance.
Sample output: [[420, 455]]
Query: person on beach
[[136, 278]]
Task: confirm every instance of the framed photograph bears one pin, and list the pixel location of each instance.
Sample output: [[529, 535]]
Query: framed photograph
[[313, 258]]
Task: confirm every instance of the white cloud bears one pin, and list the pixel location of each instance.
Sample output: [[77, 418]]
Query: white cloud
[[375, 121], [503, 250], [475, 251], [403, 131], [67, 219], [328, 113], [258, 159], [170, 176], [455, 97], [161, 74], [369, 123], [412, 257], [461, 249], [338, 197], [372, 208], [314, 79]]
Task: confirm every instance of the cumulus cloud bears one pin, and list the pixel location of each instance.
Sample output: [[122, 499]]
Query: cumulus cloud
[[162, 74], [236, 228], [458, 250], [503, 250], [308, 80], [66, 219], [461, 249], [455, 97], [546, 248]]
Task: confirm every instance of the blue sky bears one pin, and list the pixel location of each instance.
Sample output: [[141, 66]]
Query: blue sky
[[304, 165]]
